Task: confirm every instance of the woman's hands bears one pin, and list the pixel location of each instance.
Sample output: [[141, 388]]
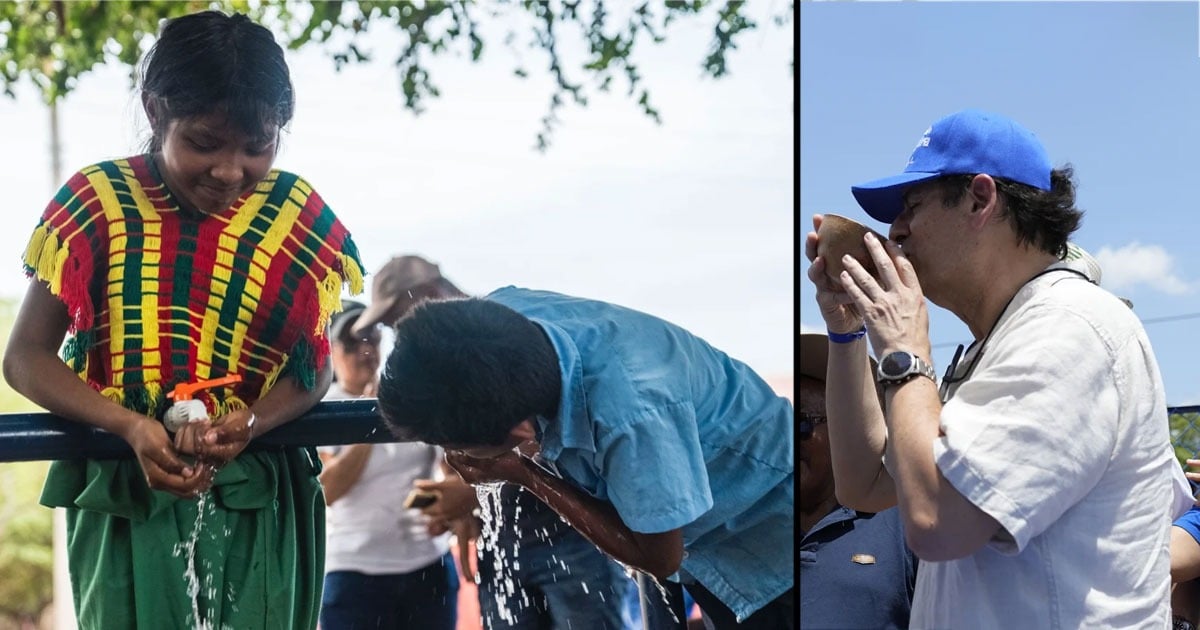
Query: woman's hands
[[219, 441], [213, 444], [160, 461]]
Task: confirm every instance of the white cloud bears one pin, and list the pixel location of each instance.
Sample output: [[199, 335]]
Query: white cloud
[[806, 328], [1136, 264]]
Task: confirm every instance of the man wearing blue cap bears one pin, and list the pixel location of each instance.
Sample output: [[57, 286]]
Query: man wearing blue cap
[[1038, 482]]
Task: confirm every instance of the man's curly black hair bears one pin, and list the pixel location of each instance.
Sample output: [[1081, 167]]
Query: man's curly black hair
[[466, 372]]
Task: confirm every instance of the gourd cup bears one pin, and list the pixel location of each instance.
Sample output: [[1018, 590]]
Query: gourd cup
[[839, 236]]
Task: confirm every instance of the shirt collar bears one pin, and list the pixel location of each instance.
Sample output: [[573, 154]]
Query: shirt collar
[[571, 427], [838, 515]]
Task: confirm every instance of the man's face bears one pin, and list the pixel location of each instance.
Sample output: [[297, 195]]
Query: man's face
[[931, 235], [522, 436], [484, 452], [816, 469]]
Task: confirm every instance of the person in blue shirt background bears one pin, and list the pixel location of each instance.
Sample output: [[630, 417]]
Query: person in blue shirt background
[[1185, 564], [855, 570], [667, 454]]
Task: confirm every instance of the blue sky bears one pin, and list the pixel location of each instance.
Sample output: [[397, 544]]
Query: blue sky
[[1111, 88], [690, 220]]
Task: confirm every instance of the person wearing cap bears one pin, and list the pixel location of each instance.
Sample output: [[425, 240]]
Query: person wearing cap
[[855, 570], [1037, 483], [558, 579], [668, 454], [382, 567], [399, 284]]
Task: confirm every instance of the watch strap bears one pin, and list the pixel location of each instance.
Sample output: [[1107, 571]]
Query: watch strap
[[920, 367]]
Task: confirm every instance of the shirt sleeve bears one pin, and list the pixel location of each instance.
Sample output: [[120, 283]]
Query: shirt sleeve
[[1190, 522], [1183, 499], [1020, 443], [66, 250], [654, 470]]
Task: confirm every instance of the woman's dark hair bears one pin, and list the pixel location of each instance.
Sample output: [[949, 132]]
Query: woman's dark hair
[[209, 61], [466, 372], [1043, 218]]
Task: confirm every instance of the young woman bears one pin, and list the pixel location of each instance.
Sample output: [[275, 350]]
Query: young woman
[[194, 261]]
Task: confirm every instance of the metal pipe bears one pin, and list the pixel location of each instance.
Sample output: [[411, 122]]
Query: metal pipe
[[44, 436]]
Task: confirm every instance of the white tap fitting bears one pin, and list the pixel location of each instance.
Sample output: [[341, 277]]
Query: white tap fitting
[[183, 412]]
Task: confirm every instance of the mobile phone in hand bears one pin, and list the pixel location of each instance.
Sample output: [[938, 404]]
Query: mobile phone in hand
[[419, 499]]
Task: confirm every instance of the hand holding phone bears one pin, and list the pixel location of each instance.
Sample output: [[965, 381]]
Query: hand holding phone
[[419, 499]]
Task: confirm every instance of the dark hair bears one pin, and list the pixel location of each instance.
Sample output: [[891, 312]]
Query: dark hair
[[209, 61], [466, 371], [1042, 218]]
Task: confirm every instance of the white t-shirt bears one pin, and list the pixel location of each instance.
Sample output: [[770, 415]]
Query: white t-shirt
[[1060, 433], [368, 530]]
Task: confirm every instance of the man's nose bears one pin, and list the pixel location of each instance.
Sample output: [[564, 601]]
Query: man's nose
[[899, 226]]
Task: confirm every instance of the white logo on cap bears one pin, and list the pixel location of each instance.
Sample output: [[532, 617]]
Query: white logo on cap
[[923, 142]]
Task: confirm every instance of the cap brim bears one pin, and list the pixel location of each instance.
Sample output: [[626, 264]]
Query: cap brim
[[814, 356], [340, 319], [883, 199], [374, 314]]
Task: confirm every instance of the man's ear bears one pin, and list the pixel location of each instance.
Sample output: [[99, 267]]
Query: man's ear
[[524, 431], [985, 198]]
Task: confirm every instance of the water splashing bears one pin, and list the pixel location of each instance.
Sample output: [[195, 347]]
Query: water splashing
[[188, 549]]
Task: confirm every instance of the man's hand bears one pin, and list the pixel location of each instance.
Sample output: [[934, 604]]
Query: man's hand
[[160, 461], [837, 308], [475, 470]]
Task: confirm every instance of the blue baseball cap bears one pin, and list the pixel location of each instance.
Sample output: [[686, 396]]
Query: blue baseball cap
[[963, 143]]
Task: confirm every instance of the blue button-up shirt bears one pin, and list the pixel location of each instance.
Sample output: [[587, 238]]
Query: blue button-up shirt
[[675, 434]]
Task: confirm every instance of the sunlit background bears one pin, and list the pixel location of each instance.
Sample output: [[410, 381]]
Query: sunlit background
[[691, 219]]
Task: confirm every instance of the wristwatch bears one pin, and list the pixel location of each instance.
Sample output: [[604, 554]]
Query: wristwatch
[[898, 367]]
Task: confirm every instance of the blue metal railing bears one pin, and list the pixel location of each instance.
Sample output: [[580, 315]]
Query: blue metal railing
[[44, 436]]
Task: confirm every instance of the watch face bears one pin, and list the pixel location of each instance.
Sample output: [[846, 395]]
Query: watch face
[[896, 364]]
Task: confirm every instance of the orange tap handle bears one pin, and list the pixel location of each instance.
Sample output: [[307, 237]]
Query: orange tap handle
[[184, 391]]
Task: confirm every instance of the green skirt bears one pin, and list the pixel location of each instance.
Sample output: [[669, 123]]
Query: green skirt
[[259, 556]]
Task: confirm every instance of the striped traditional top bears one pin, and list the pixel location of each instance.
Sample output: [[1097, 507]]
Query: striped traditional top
[[159, 295]]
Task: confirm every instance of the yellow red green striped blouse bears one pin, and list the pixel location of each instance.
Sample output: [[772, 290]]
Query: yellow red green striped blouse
[[158, 295]]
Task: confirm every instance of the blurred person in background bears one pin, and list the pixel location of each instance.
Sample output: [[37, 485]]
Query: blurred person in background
[[855, 570], [383, 569], [1185, 564]]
